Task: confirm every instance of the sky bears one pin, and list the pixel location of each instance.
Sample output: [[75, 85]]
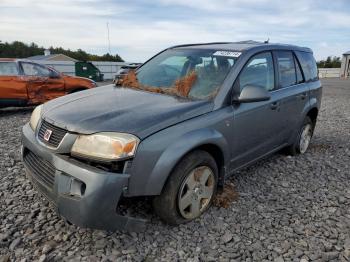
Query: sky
[[140, 28]]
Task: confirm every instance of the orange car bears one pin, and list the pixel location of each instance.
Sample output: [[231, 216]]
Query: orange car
[[23, 82]]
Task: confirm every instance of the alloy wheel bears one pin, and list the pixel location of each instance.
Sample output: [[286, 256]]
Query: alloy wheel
[[196, 192], [305, 138]]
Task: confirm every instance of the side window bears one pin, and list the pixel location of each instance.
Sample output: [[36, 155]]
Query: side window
[[8, 69], [31, 69], [308, 65], [259, 72], [300, 78], [28, 69], [286, 68]]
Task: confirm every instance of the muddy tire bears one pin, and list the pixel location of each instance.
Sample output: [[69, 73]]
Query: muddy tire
[[190, 189], [303, 138]]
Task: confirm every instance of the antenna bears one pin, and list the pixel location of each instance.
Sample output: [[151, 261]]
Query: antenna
[[109, 41], [267, 41], [109, 47]]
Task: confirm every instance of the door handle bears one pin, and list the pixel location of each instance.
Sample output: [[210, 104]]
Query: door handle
[[274, 105]]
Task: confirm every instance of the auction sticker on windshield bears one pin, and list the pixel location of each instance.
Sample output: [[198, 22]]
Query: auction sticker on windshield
[[227, 53]]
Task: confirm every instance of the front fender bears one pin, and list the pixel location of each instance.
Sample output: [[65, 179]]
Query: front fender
[[152, 183]]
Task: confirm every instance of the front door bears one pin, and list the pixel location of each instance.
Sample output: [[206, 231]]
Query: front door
[[55, 85], [257, 126], [40, 87]]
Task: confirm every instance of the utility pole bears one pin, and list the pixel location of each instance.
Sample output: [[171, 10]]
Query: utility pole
[[109, 41], [109, 47]]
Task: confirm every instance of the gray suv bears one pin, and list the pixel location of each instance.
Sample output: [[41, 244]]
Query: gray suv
[[172, 131]]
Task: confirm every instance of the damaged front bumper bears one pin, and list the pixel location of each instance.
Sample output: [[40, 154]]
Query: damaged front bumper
[[83, 195]]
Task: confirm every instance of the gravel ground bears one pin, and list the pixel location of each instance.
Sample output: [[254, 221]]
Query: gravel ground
[[289, 208]]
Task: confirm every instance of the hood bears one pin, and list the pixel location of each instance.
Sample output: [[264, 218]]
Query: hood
[[112, 109]]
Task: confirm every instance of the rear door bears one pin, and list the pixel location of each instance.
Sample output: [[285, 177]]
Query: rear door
[[293, 91], [257, 125], [12, 85], [40, 87]]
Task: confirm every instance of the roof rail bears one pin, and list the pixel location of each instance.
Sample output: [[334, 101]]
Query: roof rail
[[210, 43], [218, 43], [248, 42]]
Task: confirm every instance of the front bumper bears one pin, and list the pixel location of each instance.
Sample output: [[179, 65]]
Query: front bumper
[[94, 205]]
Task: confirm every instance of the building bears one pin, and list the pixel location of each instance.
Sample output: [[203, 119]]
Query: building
[[48, 57], [345, 65], [66, 64]]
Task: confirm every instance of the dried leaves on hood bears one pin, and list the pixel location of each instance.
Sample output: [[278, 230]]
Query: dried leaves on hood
[[182, 86]]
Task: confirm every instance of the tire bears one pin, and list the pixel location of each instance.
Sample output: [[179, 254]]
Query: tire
[[77, 90], [298, 147], [188, 182]]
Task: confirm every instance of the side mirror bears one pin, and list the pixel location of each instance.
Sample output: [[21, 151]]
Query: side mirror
[[251, 93], [54, 74]]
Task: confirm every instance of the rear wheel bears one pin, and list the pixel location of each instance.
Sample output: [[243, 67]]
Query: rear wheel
[[303, 139], [189, 190]]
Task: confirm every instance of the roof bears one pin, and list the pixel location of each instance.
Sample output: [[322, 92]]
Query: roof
[[347, 53], [41, 57], [7, 59], [16, 60], [49, 57], [242, 46]]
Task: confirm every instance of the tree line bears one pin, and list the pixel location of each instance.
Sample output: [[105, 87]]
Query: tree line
[[19, 49], [330, 62]]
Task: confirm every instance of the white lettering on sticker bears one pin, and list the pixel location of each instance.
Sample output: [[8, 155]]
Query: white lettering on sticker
[[227, 53]]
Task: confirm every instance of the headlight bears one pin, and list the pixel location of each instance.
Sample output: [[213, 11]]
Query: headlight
[[35, 117], [105, 146]]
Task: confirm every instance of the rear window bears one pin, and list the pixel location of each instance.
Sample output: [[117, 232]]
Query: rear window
[[8, 68], [308, 65]]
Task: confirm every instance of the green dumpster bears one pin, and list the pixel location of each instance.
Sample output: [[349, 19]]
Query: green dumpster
[[88, 70]]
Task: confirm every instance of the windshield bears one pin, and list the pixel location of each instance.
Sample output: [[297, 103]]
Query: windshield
[[192, 73]]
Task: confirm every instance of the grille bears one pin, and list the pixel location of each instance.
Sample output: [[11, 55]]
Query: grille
[[56, 135], [41, 169]]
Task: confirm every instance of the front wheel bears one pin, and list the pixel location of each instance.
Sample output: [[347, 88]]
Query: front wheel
[[303, 139], [189, 190], [76, 90]]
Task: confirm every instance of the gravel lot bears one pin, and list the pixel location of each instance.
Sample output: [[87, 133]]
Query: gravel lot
[[289, 208]]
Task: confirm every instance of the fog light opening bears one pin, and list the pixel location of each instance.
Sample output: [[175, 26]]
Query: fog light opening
[[77, 188], [82, 189]]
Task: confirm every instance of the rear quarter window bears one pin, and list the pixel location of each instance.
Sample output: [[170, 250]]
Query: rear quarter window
[[308, 65]]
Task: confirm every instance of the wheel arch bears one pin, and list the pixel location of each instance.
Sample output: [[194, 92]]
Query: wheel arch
[[217, 153], [313, 113], [207, 140], [214, 151]]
